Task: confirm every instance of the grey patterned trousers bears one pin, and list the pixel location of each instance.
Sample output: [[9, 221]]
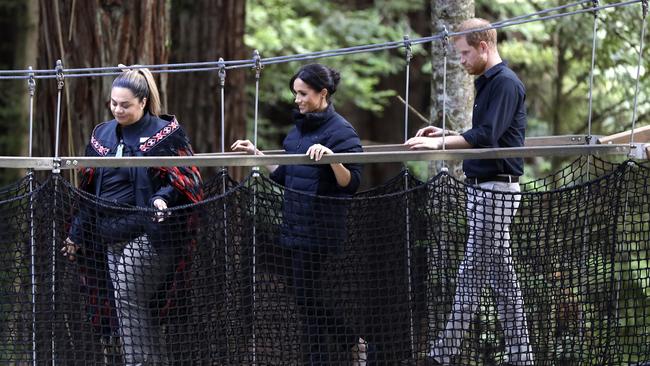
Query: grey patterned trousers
[[488, 262], [137, 271]]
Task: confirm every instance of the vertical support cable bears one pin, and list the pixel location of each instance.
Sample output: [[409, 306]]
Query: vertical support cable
[[644, 7], [409, 56], [222, 84], [585, 231], [619, 276], [229, 270], [256, 173], [258, 72], [588, 139], [409, 272], [56, 173], [443, 248], [59, 85], [445, 46], [31, 88], [591, 70]]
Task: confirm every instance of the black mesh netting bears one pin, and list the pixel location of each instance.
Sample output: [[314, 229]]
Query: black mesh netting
[[557, 274]]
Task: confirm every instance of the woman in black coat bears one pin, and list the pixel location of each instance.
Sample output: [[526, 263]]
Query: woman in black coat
[[314, 227]]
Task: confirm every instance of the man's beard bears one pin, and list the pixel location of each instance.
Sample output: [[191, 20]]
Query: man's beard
[[477, 69]]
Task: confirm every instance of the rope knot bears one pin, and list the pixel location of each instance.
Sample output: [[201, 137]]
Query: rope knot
[[445, 40], [257, 63], [222, 71], [407, 47], [59, 74], [31, 83]]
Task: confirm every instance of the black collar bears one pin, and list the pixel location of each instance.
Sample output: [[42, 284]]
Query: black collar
[[495, 69], [312, 120]]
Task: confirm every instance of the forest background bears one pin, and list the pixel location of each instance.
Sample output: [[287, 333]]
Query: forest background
[[551, 57]]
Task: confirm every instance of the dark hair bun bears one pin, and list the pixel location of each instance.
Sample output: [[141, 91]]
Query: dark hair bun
[[318, 77], [335, 76]]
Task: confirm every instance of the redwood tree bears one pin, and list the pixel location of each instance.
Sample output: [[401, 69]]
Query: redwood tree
[[91, 34], [206, 30]]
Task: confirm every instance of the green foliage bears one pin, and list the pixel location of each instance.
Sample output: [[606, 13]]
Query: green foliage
[[553, 58], [284, 27]]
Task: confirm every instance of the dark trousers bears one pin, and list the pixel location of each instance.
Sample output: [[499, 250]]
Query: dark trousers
[[325, 338]]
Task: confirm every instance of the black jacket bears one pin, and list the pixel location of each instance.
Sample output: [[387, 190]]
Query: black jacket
[[310, 216], [498, 120], [176, 185]]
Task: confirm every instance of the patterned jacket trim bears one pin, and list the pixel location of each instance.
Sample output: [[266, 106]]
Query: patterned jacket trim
[[159, 136], [97, 146]]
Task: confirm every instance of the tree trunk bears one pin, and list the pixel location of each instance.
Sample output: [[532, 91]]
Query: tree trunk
[[16, 20], [460, 88], [207, 30], [458, 117], [91, 34]]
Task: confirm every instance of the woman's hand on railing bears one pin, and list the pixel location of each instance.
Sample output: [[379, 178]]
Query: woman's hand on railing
[[69, 250], [245, 145]]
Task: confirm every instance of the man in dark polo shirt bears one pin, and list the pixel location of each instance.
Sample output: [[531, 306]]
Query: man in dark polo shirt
[[499, 120]]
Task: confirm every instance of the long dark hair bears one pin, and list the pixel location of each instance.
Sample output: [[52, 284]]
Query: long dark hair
[[318, 77]]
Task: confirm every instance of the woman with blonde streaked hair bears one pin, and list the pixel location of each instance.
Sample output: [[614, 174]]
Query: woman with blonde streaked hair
[[135, 249]]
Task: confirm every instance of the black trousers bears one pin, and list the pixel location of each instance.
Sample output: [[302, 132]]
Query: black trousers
[[326, 339]]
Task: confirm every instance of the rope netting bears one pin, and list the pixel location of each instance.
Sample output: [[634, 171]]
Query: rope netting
[[557, 274]]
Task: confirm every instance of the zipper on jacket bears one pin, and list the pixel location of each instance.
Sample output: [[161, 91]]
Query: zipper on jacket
[[120, 149]]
